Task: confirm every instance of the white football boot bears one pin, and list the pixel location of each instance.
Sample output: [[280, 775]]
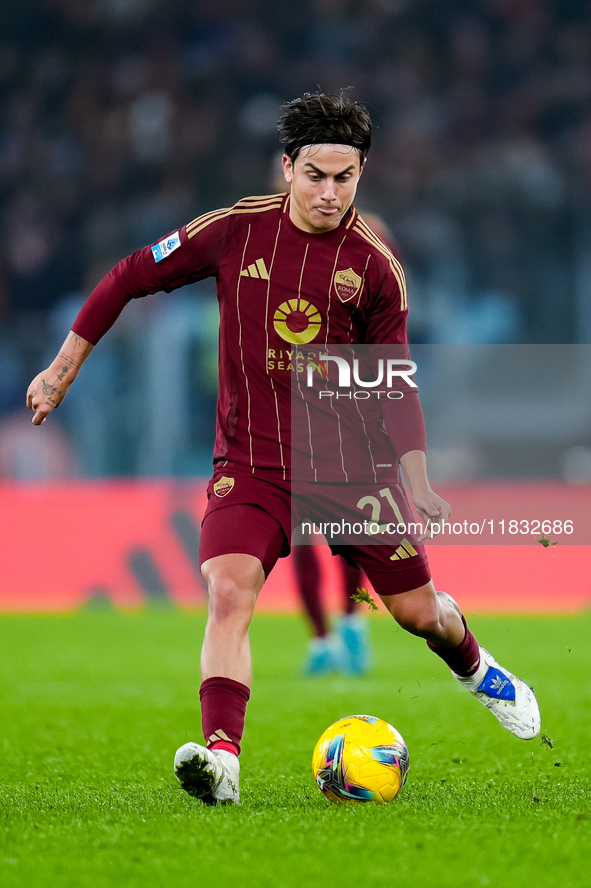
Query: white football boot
[[507, 697], [211, 775]]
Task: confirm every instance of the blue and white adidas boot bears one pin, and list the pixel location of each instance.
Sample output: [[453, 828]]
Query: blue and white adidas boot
[[507, 697]]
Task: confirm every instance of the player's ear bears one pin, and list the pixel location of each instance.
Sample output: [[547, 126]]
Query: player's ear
[[287, 164]]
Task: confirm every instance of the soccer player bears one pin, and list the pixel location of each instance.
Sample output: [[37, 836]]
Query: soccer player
[[348, 648], [295, 272], [342, 644]]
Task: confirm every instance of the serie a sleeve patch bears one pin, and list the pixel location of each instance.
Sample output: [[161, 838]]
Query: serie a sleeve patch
[[167, 246]]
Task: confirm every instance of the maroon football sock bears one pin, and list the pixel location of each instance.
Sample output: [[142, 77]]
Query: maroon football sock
[[223, 710], [463, 659], [307, 571]]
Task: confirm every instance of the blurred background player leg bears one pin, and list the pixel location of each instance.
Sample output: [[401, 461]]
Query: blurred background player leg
[[353, 629], [347, 649], [323, 647]]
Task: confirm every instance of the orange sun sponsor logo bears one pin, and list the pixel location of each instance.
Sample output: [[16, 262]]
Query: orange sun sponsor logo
[[297, 321]]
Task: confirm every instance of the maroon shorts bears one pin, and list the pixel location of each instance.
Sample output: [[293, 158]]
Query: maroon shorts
[[369, 525]]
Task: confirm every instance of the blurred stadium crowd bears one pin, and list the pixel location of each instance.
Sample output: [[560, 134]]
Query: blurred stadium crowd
[[123, 119]]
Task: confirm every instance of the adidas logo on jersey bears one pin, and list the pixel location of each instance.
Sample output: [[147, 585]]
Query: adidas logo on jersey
[[258, 269], [405, 550]]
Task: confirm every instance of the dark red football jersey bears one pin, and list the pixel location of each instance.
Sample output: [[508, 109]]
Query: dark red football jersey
[[284, 295]]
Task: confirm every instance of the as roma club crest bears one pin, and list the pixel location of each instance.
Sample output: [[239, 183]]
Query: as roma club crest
[[347, 284], [223, 486]]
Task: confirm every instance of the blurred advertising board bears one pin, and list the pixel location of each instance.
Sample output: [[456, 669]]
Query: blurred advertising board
[[135, 542]]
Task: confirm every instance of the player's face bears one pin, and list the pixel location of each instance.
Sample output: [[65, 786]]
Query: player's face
[[323, 181]]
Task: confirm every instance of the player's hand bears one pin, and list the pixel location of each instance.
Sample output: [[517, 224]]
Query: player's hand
[[46, 392], [49, 388], [433, 510]]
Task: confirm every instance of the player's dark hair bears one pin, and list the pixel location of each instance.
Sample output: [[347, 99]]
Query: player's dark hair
[[319, 119]]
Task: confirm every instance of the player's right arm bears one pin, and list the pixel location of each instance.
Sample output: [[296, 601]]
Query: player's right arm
[[49, 388], [167, 265]]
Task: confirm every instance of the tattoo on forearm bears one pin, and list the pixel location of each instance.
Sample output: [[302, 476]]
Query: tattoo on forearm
[[67, 360], [48, 389], [78, 342]]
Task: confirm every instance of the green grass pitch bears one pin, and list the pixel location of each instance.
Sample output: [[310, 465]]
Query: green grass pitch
[[95, 704]]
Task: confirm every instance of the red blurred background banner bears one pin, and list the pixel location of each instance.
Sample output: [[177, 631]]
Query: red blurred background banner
[[133, 542]]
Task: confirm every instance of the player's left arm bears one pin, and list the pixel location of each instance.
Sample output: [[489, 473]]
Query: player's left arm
[[432, 508], [405, 425], [403, 417]]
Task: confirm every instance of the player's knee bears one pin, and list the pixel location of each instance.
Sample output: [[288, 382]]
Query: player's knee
[[230, 599], [447, 603], [424, 623]]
